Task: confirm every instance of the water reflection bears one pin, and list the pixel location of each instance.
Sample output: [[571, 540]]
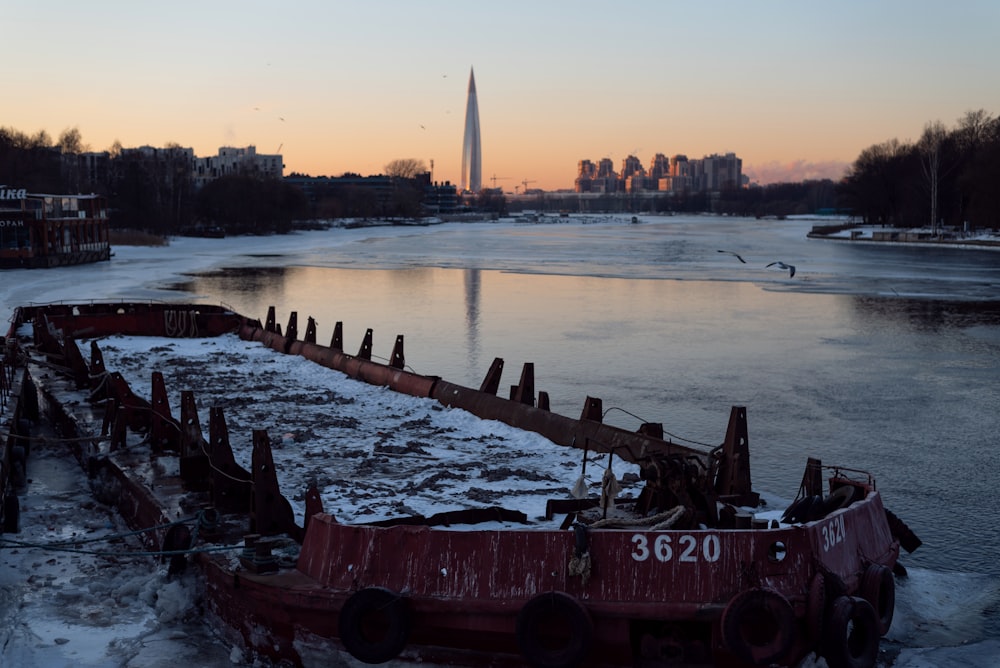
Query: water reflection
[[925, 314], [472, 288]]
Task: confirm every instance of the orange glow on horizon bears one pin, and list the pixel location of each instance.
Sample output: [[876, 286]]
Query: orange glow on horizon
[[348, 91]]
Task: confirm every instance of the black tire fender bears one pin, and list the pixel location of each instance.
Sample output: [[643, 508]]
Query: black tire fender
[[800, 511], [758, 626], [816, 608], [18, 466], [878, 587], [554, 630], [851, 634], [839, 498], [375, 624], [11, 514], [177, 539]]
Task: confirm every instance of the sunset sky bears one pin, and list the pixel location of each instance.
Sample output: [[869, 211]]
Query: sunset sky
[[796, 89]]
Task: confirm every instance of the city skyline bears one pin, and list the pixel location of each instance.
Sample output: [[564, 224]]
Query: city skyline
[[795, 90]]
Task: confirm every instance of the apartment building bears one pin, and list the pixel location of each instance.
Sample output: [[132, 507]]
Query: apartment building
[[677, 174]]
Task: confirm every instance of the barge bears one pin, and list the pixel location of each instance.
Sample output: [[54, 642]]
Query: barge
[[686, 571], [38, 230]]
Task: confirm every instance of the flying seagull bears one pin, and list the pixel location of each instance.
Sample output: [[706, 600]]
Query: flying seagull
[[733, 254], [782, 265]]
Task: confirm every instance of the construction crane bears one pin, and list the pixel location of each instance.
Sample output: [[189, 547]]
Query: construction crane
[[496, 178], [525, 184]]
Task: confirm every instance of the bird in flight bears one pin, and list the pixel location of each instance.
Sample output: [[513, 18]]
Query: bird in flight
[[782, 265], [733, 254]]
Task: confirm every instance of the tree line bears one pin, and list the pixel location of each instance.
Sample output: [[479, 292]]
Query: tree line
[[948, 177], [152, 190]]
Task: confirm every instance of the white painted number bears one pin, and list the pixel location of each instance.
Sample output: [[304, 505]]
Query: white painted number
[[690, 545], [833, 533], [641, 550], [662, 549], [687, 544], [710, 548]]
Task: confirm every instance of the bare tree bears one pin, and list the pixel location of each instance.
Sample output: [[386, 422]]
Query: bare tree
[[405, 168], [40, 139], [930, 149], [71, 141], [973, 129], [873, 185]]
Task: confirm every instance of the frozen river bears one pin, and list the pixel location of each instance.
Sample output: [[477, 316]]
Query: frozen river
[[875, 357]]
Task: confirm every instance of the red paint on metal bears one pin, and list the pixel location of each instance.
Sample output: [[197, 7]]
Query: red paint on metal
[[271, 513], [231, 484], [473, 583], [164, 430], [642, 588], [134, 319]]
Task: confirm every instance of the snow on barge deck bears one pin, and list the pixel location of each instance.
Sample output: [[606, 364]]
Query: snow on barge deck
[[664, 564]]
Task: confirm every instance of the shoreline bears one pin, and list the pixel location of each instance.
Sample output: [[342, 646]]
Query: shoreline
[[910, 237], [967, 244]]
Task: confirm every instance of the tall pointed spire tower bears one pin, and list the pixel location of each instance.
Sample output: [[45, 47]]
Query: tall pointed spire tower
[[472, 156]]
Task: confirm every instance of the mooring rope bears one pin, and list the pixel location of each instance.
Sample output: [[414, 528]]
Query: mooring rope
[[65, 545], [673, 436], [178, 324], [657, 522]]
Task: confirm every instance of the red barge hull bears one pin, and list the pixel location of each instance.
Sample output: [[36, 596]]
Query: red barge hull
[[715, 587]]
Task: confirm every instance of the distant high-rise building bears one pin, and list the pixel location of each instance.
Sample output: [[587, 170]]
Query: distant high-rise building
[[586, 171], [472, 156], [659, 167], [718, 172]]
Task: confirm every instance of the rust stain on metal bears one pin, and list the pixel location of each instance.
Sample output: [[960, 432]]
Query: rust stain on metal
[[679, 571]]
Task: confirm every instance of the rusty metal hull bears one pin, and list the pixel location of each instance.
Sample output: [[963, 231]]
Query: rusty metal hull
[[18, 408], [465, 588], [97, 319], [714, 589]]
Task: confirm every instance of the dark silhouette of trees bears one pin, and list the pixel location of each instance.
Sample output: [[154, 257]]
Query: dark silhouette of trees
[[152, 189], [71, 141], [406, 197], [246, 205], [873, 187], [347, 196], [948, 177], [405, 168], [30, 162], [492, 201], [132, 197], [779, 199], [409, 177]]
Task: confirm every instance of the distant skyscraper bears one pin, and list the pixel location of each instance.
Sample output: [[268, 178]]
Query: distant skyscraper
[[472, 156]]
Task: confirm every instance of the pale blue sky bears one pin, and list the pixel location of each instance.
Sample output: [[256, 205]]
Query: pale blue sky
[[774, 82]]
